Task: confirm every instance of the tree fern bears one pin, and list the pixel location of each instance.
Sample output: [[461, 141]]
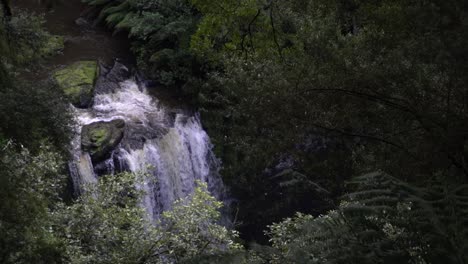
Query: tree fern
[[381, 220], [437, 215], [155, 27]]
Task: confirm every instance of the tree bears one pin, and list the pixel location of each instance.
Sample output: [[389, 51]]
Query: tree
[[381, 82], [30, 186], [31, 113], [33, 136], [108, 225]]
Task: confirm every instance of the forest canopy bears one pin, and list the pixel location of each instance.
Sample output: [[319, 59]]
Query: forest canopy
[[341, 127]]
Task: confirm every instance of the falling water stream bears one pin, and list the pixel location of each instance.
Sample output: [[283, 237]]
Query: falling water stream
[[161, 139], [168, 145]]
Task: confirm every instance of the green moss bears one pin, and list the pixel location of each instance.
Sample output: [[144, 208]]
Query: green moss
[[98, 136], [54, 45], [77, 81]]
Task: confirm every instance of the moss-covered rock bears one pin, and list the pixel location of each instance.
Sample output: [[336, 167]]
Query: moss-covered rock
[[100, 138], [77, 82]]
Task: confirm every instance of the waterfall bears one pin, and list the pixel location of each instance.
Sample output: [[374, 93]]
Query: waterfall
[[168, 145]]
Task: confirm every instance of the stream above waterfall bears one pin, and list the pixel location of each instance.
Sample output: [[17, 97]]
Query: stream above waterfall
[[84, 39]]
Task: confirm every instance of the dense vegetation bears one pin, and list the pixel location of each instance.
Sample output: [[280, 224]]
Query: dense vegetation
[[351, 113]]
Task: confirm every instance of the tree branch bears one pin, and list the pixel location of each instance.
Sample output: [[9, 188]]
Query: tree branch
[[275, 38], [369, 137]]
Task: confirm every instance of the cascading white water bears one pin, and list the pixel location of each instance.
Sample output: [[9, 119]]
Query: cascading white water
[[170, 147]]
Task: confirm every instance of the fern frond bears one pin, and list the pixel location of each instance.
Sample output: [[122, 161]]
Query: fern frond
[[115, 18], [382, 220]]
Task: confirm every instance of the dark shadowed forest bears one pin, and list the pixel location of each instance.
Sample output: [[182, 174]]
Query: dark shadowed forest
[[234, 131]]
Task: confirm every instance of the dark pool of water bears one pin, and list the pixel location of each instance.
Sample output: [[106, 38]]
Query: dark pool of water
[[83, 39]]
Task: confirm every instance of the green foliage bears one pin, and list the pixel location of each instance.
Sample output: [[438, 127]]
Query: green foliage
[[383, 220], [246, 28], [382, 80], [29, 187], [24, 40], [192, 227], [160, 31], [34, 125], [107, 225], [32, 113]]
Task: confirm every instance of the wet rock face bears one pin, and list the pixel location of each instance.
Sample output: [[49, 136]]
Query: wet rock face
[[110, 78], [99, 139], [77, 82]]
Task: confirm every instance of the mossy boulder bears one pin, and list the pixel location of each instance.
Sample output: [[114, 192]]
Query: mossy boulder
[[100, 138], [77, 81]]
